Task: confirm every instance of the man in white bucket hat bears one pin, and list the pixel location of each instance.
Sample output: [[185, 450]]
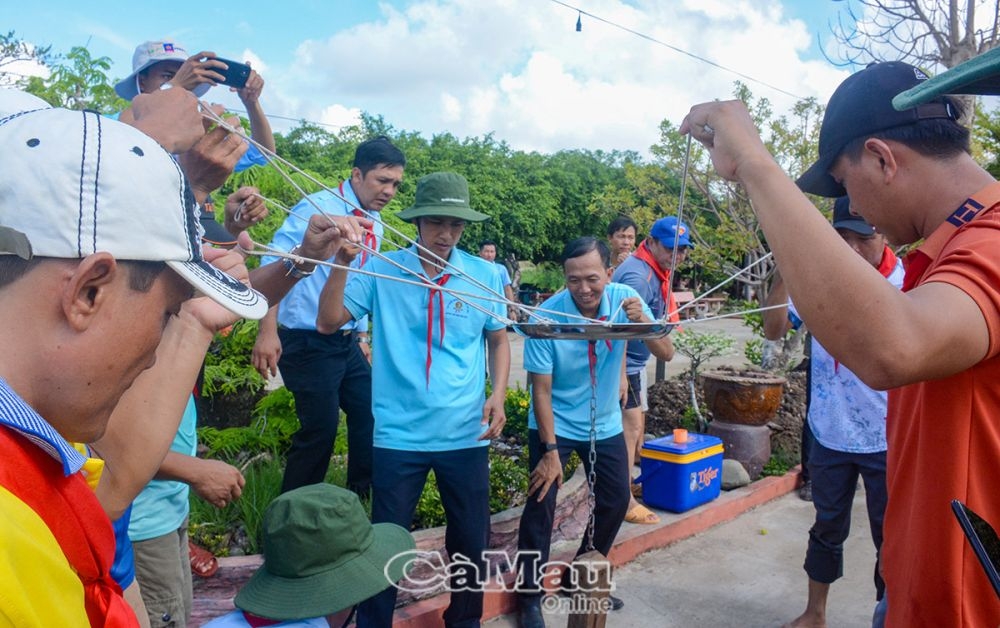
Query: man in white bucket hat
[[165, 63]]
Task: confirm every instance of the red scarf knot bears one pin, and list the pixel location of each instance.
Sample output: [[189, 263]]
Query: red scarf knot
[[666, 293]]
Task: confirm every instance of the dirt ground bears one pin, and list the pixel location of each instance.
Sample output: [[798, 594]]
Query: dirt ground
[[669, 399]]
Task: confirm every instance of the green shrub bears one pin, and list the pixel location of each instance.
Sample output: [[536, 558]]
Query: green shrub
[[754, 351], [547, 277], [779, 464], [228, 369], [508, 482], [516, 407], [430, 510], [273, 425], [214, 528], [690, 419], [508, 488], [571, 464], [263, 484]]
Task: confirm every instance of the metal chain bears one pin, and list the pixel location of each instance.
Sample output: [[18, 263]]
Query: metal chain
[[592, 456]]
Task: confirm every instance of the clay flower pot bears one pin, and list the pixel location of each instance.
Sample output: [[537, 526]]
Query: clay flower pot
[[742, 397]]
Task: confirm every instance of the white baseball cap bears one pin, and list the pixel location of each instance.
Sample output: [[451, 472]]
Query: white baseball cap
[[75, 183], [145, 55], [15, 101]]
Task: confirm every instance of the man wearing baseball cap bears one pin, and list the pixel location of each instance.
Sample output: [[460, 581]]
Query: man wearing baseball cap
[[935, 345], [431, 411], [83, 310], [648, 272], [96, 285]]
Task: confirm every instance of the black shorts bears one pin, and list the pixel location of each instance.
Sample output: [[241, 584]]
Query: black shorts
[[634, 399]]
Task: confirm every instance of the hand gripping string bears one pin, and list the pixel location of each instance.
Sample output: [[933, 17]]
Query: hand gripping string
[[425, 281], [274, 160]]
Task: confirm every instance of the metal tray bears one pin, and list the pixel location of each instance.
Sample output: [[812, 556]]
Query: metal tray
[[593, 331]]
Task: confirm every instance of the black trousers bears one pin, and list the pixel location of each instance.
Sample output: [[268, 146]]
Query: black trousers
[[463, 480], [834, 482], [611, 493], [326, 373], [806, 446], [807, 435]]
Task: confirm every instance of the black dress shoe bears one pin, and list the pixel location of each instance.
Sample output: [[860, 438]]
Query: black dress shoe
[[616, 603], [529, 612], [806, 491]]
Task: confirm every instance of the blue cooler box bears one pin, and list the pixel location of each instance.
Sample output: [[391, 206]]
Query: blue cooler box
[[679, 476]]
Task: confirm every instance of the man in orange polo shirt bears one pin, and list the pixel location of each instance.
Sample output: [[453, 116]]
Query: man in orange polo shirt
[[935, 346]]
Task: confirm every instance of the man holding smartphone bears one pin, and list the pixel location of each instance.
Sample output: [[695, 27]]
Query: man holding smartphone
[[164, 64]]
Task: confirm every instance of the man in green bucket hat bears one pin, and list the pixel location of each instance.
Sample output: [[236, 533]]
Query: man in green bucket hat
[[321, 558], [427, 357]]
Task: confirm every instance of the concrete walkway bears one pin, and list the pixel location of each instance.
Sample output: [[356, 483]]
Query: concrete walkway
[[746, 572]]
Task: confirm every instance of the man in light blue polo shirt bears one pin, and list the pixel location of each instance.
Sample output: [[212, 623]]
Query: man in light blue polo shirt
[[431, 410], [488, 251], [565, 375], [327, 372]]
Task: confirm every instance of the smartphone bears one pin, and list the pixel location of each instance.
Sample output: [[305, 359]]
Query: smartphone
[[984, 540], [235, 75]]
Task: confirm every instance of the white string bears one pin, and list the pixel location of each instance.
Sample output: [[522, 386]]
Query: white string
[[432, 286], [266, 250], [725, 281], [732, 314], [677, 227], [274, 159]]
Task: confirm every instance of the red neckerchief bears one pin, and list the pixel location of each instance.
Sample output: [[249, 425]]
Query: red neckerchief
[[592, 355], [443, 279], [256, 621], [645, 255], [75, 519], [888, 263], [919, 260], [369, 240]]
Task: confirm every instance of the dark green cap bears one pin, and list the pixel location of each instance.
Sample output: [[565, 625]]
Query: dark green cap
[[442, 194], [322, 555]]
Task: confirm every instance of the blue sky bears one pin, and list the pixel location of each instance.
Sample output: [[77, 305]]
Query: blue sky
[[515, 68]]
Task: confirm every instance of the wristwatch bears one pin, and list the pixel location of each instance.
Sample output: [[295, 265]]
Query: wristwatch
[[292, 267], [547, 447], [362, 340]]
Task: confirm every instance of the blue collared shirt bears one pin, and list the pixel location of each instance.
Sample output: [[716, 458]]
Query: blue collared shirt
[[421, 409], [19, 416], [504, 274], [637, 274], [568, 363], [300, 306]]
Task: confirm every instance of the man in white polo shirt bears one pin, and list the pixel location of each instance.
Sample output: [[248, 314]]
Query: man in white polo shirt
[[847, 421]]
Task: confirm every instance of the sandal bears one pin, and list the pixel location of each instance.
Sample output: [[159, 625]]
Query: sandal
[[203, 562], [641, 514]]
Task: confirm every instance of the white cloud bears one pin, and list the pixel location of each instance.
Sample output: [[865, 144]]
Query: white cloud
[[522, 71], [340, 116], [255, 61]]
